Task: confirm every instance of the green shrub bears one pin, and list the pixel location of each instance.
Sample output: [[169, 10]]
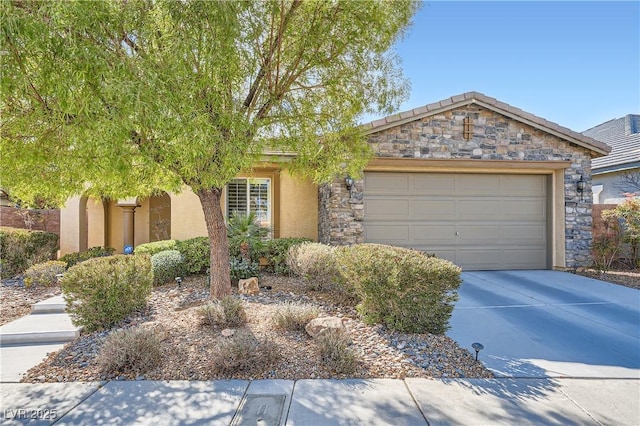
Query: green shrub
[[20, 249], [335, 351], [316, 264], [132, 350], [76, 257], [44, 274], [228, 312], [402, 288], [243, 353], [155, 247], [102, 291], [242, 269], [195, 252], [294, 316], [166, 266], [276, 251]]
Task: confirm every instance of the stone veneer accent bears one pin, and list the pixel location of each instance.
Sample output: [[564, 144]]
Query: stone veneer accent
[[440, 136]]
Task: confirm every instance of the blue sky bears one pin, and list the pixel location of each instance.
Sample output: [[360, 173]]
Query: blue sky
[[574, 63]]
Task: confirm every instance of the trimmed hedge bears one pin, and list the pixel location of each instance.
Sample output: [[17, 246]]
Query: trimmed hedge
[[20, 249], [402, 288], [80, 256], [166, 266], [195, 252], [155, 247], [276, 251], [101, 292]]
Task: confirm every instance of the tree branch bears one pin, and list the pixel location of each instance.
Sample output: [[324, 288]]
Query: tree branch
[[273, 48]]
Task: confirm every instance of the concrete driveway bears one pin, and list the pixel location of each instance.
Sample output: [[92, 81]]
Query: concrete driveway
[[549, 324]]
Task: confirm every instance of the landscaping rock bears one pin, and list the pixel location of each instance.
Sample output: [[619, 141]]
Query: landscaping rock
[[318, 326], [228, 332], [249, 286]]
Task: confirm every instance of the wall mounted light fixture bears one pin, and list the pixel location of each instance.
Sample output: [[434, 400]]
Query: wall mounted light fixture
[[348, 181], [580, 187]]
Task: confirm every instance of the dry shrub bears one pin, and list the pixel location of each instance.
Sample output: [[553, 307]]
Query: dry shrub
[[44, 274], [22, 249], [228, 312], [132, 350], [294, 316], [335, 351], [316, 264], [243, 353]]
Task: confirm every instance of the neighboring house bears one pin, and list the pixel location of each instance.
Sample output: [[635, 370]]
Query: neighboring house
[[619, 172], [470, 178]]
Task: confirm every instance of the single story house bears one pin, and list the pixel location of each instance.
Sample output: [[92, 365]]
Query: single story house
[[619, 172], [471, 179]]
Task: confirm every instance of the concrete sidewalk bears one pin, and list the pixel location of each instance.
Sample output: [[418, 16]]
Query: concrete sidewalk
[[25, 342], [326, 402]]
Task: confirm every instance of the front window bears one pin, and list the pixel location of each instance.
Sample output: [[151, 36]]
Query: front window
[[245, 196]]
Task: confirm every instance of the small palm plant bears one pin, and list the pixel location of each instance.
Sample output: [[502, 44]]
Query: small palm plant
[[246, 236]]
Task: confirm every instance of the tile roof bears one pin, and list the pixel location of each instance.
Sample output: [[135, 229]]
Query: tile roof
[[623, 136], [598, 148]]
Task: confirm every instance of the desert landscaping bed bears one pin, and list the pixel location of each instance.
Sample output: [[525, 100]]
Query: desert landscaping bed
[[186, 346]]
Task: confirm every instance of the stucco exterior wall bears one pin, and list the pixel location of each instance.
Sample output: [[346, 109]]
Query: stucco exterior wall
[[495, 138], [187, 217], [613, 187], [70, 226], [95, 223], [298, 207]]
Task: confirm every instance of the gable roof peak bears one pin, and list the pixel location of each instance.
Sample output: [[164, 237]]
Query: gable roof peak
[[494, 104]]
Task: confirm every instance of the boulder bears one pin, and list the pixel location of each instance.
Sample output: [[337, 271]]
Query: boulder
[[249, 286], [317, 326]]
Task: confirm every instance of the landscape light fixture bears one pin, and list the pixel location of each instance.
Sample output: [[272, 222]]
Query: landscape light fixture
[[580, 186], [179, 281], [348, 181], [478, 347]]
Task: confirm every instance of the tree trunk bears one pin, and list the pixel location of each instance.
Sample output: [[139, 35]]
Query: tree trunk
[[219, 261]]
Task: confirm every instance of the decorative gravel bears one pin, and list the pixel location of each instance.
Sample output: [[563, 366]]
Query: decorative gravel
[[16, 300], [187, 345]]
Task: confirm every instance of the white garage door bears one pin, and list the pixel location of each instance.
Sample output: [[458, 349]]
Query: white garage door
[[478, 221]]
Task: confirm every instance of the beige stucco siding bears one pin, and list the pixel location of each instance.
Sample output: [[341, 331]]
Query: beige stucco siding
[[187, 217], [298, 207]]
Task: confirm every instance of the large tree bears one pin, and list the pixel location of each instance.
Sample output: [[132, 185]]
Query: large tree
[[135, 96]]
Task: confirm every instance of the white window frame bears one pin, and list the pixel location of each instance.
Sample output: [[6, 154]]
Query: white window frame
[[263, 216]]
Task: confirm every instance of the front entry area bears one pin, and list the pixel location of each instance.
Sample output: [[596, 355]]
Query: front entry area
[[478, 221]]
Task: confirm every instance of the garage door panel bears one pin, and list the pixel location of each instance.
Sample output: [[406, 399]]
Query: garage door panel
[[433, 184], [526, 185], [523, 258], [389, 183], [433, 209], [524, 234], [479, 258], [524, 209], [387, 208], [476, 208], [478, 234], [385, 233], [477, 184], [478, 221], [432, 234]]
